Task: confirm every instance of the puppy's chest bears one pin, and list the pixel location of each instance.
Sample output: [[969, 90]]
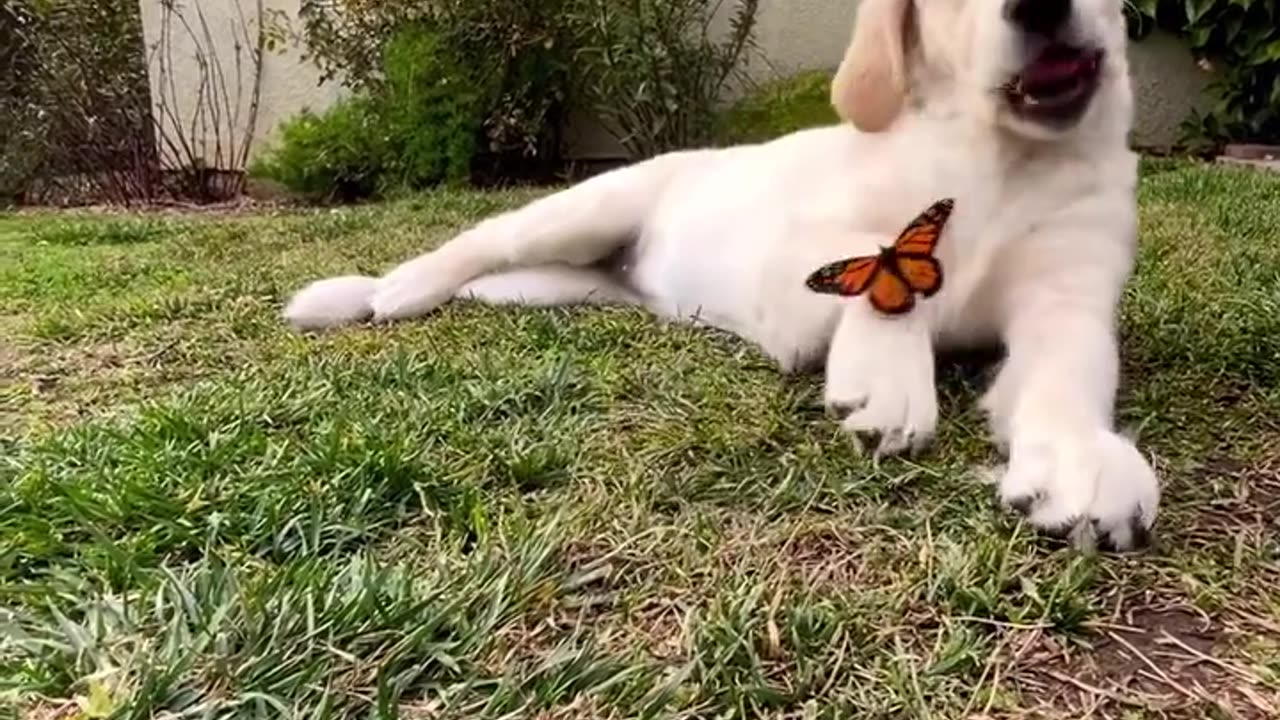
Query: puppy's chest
[[976, 230], [989, 218], [996, 199], [976, 241]]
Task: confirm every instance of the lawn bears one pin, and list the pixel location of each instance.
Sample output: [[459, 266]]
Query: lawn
[[589, 513]]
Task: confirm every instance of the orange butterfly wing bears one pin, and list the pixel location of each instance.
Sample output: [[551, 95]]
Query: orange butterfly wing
[[911, 267], [845, 277], [890, 294], [921, 236], [923, 274]]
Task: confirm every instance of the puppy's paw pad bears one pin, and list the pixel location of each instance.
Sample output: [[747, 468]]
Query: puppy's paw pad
[[842, 409], [889, 442], [1024, 504], [1123, 511], [888, 439], [1135, 535], [894, 417], [882, 382], [332, 302], [1101, 493], [1052, 493]]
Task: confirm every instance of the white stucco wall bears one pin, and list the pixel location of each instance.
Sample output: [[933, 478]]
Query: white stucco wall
[[289, 84], [796, 35], [1167, 84], [793, 35]]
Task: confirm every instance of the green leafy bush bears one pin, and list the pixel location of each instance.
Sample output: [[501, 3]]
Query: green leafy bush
[[74, 101], [653, 70], [337, 155], [778, 108], [1241, 40], [429, 110], [513, 50], [416, 129]]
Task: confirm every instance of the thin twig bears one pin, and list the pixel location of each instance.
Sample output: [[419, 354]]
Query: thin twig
[[1094, 690], [1233, 669], [1161, 674], [1002, 624]]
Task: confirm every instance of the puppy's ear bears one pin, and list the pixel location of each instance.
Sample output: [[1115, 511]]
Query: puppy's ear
[[871, 85]]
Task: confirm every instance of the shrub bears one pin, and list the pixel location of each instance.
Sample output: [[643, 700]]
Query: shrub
[[90, 113], [513, 51], [779, 108], [429, 110], [206, 138], [416, 129], [652, 69], [335, 156], [1241, 39], [74, 100]]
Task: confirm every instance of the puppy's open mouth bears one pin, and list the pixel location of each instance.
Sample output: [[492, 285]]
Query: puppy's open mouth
[[1055, 88]]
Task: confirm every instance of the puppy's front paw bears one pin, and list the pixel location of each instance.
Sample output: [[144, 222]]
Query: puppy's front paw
[[883, 388], [415, 288], [1097, 489]]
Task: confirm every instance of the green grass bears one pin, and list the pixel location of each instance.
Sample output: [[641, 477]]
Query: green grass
[[589, 513]]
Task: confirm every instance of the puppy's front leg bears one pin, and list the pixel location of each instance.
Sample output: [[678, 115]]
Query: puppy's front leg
[[1051, 404], [880, 377]]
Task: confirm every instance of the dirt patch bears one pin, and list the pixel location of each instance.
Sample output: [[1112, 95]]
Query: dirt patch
[[45, 711], [818, 556], [829, 557], [608, 576], [265, 200], [642, 603], [54, 373], [659, 626], [1254, 503], [60, 385], [1167, 662]]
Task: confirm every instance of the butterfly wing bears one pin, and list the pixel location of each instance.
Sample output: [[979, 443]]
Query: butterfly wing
[[890, 294], [895, 276], [921, 236], [845, 277], [922, 273]]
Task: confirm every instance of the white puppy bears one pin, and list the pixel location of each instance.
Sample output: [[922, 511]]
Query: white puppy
[[1017, 109]]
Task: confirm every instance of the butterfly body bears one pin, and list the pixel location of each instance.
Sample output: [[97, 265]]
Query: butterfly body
[[893, 277]]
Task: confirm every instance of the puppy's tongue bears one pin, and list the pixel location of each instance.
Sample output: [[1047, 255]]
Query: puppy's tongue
[[1055, 66]]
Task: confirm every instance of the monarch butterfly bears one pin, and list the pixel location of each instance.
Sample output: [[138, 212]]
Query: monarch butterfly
[[894, 276]]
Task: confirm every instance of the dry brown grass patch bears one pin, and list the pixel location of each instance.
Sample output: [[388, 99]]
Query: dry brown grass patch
[[1167, 661]]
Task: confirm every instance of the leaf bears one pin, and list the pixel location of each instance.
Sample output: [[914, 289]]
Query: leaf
[[1270, 53], [1200, 37], [1196, 9], [99, 704], [1233, 28]]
